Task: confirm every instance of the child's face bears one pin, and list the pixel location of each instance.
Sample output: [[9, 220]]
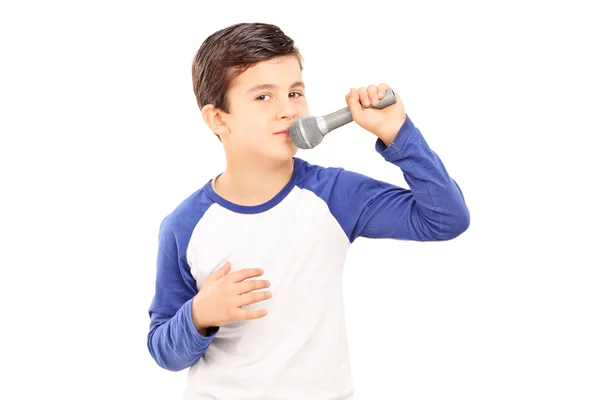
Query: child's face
[[256, 114]]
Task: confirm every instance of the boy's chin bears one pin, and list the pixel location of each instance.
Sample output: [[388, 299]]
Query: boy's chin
[[282, 154], [275, 154], [280, 151]]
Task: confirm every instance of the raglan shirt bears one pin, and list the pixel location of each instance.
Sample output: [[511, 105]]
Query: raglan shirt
[[300, 239]]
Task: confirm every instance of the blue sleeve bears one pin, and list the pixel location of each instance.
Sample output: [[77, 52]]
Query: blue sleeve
[[173, 340], [432, 209]]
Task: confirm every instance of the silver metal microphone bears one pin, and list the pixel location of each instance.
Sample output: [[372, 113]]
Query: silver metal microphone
[[308, 132]]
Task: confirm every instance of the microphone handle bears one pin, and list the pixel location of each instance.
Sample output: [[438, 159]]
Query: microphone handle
[[344, 116]]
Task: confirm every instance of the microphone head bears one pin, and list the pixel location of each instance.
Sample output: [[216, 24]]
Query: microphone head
[[305, 132]]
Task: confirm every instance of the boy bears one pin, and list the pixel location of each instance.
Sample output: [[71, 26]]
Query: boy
[[249, 270]]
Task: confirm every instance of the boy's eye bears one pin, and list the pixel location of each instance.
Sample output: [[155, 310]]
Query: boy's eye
[[264, 97]]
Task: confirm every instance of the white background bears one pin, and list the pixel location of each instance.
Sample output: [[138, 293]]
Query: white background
[[102, 137]]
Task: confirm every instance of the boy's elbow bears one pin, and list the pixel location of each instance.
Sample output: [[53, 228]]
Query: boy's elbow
[[168, 363], [457, 225], [173, 367]]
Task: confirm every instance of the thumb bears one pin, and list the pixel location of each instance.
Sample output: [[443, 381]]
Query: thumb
[[221, 272], [355, 107]]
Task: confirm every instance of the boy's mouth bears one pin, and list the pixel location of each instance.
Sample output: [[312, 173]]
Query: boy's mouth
[[283, 133]]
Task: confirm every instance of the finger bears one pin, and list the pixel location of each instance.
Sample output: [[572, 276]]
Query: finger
[[251, 298], [221, 272], [244, 274], [364, 97], [373, 95], [250, 285], [381, 89], [353, 101], [250, 314]]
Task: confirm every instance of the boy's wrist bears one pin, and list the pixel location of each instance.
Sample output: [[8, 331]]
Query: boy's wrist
[[388, 135], [200, 325]]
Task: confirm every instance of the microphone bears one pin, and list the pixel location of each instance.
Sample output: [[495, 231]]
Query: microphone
[[308, 132]]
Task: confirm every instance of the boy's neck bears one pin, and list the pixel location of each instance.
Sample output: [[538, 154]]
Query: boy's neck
[[248, 184]]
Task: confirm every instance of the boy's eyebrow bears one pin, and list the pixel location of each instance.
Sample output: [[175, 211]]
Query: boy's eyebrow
[[271, 86]]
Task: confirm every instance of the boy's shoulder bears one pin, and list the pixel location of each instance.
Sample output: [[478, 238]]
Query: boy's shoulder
[[189, 210], [311, 175]]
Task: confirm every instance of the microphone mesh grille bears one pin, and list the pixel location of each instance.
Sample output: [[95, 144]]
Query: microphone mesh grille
[[305, 132]]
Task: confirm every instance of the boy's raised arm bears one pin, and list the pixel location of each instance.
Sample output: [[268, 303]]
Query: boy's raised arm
[[432, 209]]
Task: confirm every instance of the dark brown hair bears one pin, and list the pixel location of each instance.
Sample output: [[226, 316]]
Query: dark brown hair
[[230, 51]]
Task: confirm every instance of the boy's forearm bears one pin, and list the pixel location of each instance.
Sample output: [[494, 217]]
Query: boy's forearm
[[176, 344], [439, 201]]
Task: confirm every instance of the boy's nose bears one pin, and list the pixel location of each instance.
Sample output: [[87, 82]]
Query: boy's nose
[[287, 110]]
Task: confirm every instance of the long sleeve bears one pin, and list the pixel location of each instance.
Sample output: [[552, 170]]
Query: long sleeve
[[432, 209], [173, 340]]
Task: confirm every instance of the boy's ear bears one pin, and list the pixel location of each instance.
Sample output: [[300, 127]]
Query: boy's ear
[[212, 116]]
